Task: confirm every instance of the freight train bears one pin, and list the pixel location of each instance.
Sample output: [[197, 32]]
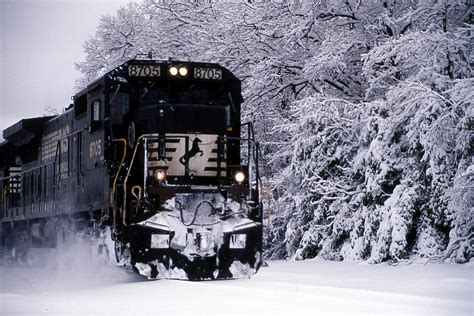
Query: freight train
[[155, 152]]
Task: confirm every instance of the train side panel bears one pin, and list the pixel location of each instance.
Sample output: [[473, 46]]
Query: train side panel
[[54, 167]]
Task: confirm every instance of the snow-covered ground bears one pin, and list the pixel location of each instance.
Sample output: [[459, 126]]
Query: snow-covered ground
[[312, 287]]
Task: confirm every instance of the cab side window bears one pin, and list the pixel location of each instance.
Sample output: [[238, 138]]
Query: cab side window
[[95, 115]]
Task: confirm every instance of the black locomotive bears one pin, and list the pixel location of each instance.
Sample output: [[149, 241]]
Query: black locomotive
[[153, 150]]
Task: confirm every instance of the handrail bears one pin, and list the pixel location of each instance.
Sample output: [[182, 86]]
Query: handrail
[[124, 213], [114, 185], [139, 195]]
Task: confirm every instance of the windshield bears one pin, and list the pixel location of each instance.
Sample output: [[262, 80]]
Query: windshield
[[184, 93]]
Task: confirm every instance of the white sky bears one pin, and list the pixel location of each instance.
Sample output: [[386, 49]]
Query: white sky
[[40, 40]]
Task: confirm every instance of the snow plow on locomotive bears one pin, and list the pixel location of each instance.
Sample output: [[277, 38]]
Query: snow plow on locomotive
[[152, 150]]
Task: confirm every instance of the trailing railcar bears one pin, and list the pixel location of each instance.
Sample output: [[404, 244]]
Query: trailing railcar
[[153, 150]]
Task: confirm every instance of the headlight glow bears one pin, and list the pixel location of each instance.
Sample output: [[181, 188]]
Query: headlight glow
[[239, 176], [183, 71], [173, 71], [160, 175]]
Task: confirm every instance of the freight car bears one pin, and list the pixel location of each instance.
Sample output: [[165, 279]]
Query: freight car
[[156, 152]]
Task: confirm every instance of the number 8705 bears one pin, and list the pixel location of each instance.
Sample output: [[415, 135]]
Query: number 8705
[[208, 73]]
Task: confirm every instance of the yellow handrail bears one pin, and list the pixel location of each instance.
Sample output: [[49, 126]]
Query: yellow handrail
[[124, 213], [139, 195], [114, 186]]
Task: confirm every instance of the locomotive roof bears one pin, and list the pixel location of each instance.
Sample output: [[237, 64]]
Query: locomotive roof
[[25, 130], [122, 68]]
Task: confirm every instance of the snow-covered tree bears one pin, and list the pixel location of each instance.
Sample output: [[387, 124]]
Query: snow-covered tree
[[364, 110]]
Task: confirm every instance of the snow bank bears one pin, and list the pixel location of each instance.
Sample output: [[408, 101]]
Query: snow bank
[[294, 288]]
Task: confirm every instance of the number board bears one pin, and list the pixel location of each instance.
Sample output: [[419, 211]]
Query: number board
[[208, 73], [144, 71]]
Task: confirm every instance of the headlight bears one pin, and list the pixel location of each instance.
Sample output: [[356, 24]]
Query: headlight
[[160, 175], [183, 71], [173, 71], [239, 176]]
